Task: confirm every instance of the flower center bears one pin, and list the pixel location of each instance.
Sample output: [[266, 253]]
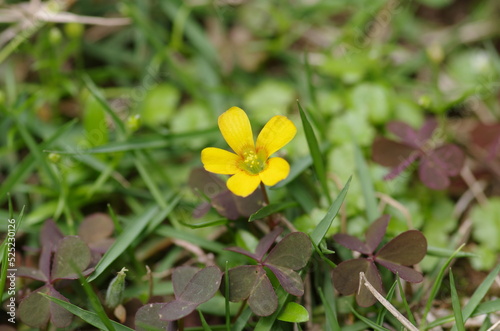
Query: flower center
[[253, 163]]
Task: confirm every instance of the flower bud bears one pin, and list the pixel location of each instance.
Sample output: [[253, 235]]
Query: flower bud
[[114, 294]]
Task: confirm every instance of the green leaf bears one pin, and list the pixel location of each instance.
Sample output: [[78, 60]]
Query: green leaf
[[455, 302], [86, 315], [363, 172], [94, 90], [318, 162], [437, 283], [294, 313], [322, 228], [478, 295], [271, 209], [125, 240]]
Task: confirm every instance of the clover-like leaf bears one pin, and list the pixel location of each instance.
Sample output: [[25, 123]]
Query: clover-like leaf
[[182, 276], [36, 310], [263, 300], [407, 249], [390, 153], [32, 273], [242, 279], [147, 318], [252, 282], [487, 136], [266, 242], [406, 273], [208, 185], [292, 252], [72, 253], [376, 232], [346, 280], [200, 288], [352, 243], [289, 279], [439, 164], [96, 230]]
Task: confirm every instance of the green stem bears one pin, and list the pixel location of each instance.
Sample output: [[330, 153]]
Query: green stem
[[271, 221]]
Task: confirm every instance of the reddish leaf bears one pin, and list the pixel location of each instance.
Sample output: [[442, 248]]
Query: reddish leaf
[[95, 228], [266, 242], [225, 205], [364, 297], [292, 252], [346, 275], [148, 317], [289, 280], [425, 133], [200, 288], [205, 184], [59, 316], [244, 252], [181, 278], [406, 273], [452, 158], [432, 174], [72, 252], [352, 243], [34, 310], [31, 273], [407, 249], [390, 153], [263, 300], [376, 232], [405, 132], [242, 279], [403, 165]]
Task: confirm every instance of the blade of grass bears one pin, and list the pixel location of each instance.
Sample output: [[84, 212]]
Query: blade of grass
[[363, 172], [28, 163], [94, 90], [478, 295], [241, 322], [455, 302], [88, 316], [437, 284], [204, 323], [315, 151], [125, 240], [170, 232], [382, 311], [328, 299], [444, 252], [148, 180], [482, 309], [366, 320], [271, 209], [320, 231], [132, 144], [405, 303]]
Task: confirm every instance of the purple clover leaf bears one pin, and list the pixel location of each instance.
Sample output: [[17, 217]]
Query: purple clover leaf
[[437, 164], [397, 255], [59, 257], [251, 281]]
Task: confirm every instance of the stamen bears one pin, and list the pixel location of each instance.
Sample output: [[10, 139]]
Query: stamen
[[252, 162]]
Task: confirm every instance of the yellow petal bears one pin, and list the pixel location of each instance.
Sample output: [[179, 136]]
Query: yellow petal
[[220, 161], [276, 133], [277, 170], [235, 127], [243, 184]]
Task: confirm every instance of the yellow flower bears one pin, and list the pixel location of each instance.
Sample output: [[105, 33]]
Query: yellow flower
[[251, 163]]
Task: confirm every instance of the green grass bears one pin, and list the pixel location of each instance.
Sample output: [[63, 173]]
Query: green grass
[[111, 118]]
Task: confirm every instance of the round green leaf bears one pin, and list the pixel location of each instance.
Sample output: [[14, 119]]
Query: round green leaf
[[294, 313]]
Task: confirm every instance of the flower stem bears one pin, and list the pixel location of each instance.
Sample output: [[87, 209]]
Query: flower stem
[[270, 219]]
